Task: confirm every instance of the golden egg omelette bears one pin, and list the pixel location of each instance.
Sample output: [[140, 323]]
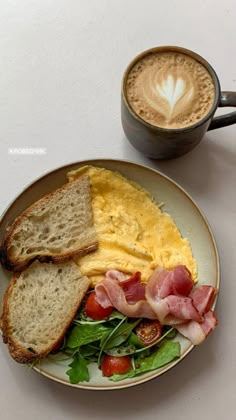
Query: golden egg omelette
[[133, 233]]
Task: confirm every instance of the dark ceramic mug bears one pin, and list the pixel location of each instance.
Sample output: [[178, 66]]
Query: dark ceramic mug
[[166, 143]]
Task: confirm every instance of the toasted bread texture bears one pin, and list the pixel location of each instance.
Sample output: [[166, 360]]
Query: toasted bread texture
[[39, 306], [55, 228]]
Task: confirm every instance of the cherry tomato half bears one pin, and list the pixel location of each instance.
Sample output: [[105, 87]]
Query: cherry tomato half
[[148, 331], [112, 364], [94, 310]]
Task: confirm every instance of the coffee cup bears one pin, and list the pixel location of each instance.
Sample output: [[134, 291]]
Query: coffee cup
[[169, 98]]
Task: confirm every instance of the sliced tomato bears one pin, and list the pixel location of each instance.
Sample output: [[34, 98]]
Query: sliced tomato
[[94, 310], [112, 364], [148, 331]]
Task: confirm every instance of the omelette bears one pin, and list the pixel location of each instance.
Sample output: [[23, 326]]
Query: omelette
[[133, 233]]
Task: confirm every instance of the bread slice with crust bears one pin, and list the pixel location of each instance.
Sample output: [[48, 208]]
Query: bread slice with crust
[[38, 307], [55, 228]]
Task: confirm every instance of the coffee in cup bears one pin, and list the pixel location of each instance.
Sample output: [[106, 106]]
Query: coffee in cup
[[169, 98], [170, 89]]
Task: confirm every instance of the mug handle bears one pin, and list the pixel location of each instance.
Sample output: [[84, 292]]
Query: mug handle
[[226, 99]]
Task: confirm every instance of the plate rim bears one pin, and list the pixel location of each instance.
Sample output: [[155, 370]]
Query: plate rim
[[99, 161]]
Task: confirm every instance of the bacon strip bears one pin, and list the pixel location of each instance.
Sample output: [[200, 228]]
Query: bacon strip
[[210, 322], [163, 291], [169, 296], [193, 331], [177, 282], [202, 297], [116, 275], [133, 288], [189, 313], [197, 332], [110, 293]]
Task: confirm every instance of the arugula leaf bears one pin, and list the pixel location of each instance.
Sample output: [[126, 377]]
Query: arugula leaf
[[167, 352], [116, 315], [131, 346], [169, 332], [85, 334], [79, 370], [88, 350], [34, 363], [135, 346], [120, 335], [135, 341], [105, 339], [121, 351]]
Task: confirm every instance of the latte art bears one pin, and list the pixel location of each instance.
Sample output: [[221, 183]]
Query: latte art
[[167, 92], [170, 90]]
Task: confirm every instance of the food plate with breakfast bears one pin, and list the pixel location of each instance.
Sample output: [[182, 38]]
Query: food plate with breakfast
[[109, 275]]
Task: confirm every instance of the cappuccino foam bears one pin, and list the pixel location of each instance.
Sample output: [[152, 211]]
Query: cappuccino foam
[[170, 89]]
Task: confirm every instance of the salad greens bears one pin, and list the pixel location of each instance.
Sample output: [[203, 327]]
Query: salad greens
[[167, 352], [85, 334], [88, 341]]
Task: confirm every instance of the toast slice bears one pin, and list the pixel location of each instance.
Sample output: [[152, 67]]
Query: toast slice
[[55, 228], [38, 307]]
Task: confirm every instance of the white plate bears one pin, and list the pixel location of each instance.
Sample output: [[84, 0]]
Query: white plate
[[177, 203]]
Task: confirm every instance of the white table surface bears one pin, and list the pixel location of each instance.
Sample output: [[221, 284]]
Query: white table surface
[[60, 74]]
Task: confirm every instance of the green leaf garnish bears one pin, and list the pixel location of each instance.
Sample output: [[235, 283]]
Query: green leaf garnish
[[79, 370]]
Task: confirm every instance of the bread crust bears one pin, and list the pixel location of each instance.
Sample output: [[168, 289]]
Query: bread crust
[[15, 265], [19, 264], [19, 353]]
